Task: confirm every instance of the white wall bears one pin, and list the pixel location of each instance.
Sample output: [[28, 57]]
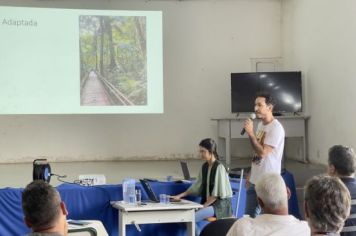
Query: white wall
[[319, 39], [204, 41]]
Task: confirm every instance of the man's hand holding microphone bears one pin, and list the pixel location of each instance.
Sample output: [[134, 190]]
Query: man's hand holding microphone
[[248, 126]]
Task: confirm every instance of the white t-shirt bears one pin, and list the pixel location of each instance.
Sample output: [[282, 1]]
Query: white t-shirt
[[273, 135], [267, 224]]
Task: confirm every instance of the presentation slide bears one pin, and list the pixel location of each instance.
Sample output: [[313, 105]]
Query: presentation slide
[[70, 61]]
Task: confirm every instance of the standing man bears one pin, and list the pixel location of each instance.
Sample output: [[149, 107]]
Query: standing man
[[268, 145]]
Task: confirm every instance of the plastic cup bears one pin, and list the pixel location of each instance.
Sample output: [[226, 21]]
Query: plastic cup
[[163, 198]]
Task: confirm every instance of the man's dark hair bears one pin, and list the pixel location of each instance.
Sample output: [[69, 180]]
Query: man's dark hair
[[40, 204], [328, 201], [343, 159], [268, 97]]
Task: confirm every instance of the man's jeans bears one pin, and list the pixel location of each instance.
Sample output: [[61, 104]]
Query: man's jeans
[[252, 208]]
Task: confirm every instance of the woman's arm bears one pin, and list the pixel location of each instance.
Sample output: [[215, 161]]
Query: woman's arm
[[194, 189], [181, 195], [222, 188], [210, 200]]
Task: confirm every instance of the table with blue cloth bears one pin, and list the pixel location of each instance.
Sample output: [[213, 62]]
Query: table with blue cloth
[[93, 203]]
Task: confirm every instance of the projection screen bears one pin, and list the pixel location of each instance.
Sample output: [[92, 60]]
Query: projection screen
[[70, 61]]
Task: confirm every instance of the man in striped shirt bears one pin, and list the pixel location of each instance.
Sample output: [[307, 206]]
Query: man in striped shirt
[[341, 164]]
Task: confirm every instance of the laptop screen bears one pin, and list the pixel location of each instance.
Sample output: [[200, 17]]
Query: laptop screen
[[147, 187], [185, 170]]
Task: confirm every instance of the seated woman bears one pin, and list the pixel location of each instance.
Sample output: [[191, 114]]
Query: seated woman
[[212, 185]]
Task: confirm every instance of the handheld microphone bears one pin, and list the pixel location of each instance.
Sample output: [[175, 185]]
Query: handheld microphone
[[252, 117]]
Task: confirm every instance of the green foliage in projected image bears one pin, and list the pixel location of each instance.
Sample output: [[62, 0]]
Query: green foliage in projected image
[[114, 47]]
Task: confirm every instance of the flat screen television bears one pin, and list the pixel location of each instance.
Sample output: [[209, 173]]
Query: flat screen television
[[285, 87]]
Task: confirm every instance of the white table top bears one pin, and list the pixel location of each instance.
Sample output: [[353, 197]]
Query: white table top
[[152, 206]]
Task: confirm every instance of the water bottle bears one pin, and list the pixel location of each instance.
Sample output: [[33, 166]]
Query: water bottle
[[132, 192], [132, 199], [125, 195], [128, 191], [138, 196]]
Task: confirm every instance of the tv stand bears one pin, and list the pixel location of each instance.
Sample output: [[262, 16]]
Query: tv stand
[[229, 128]]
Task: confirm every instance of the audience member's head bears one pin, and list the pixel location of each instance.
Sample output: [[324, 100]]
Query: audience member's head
[[341, 161], [43, 209], [326, 204], [272, 194]]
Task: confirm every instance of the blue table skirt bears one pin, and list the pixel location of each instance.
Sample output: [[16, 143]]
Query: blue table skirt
[[93, 203]]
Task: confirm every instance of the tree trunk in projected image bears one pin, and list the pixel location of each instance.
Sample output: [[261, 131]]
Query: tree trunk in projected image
[[82, 69], [108, 28], [141, 36], [102, 31], [95, 48]]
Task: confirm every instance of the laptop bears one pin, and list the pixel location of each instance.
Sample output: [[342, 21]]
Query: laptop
[[147, 187], [149, 191], [185, 171]]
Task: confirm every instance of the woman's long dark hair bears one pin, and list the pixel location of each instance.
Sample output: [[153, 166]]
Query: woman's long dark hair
[[210, 145]]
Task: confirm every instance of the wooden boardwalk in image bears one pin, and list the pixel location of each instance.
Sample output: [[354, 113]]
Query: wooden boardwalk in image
[[94, 93]]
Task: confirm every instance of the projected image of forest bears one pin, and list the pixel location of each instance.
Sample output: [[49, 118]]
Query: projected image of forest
[[113, 64]]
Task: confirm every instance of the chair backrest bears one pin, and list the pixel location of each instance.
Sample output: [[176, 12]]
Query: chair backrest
[[87, 231], [350, 230], [240, 175], [239, 193], [219, 227], [88, 228]]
